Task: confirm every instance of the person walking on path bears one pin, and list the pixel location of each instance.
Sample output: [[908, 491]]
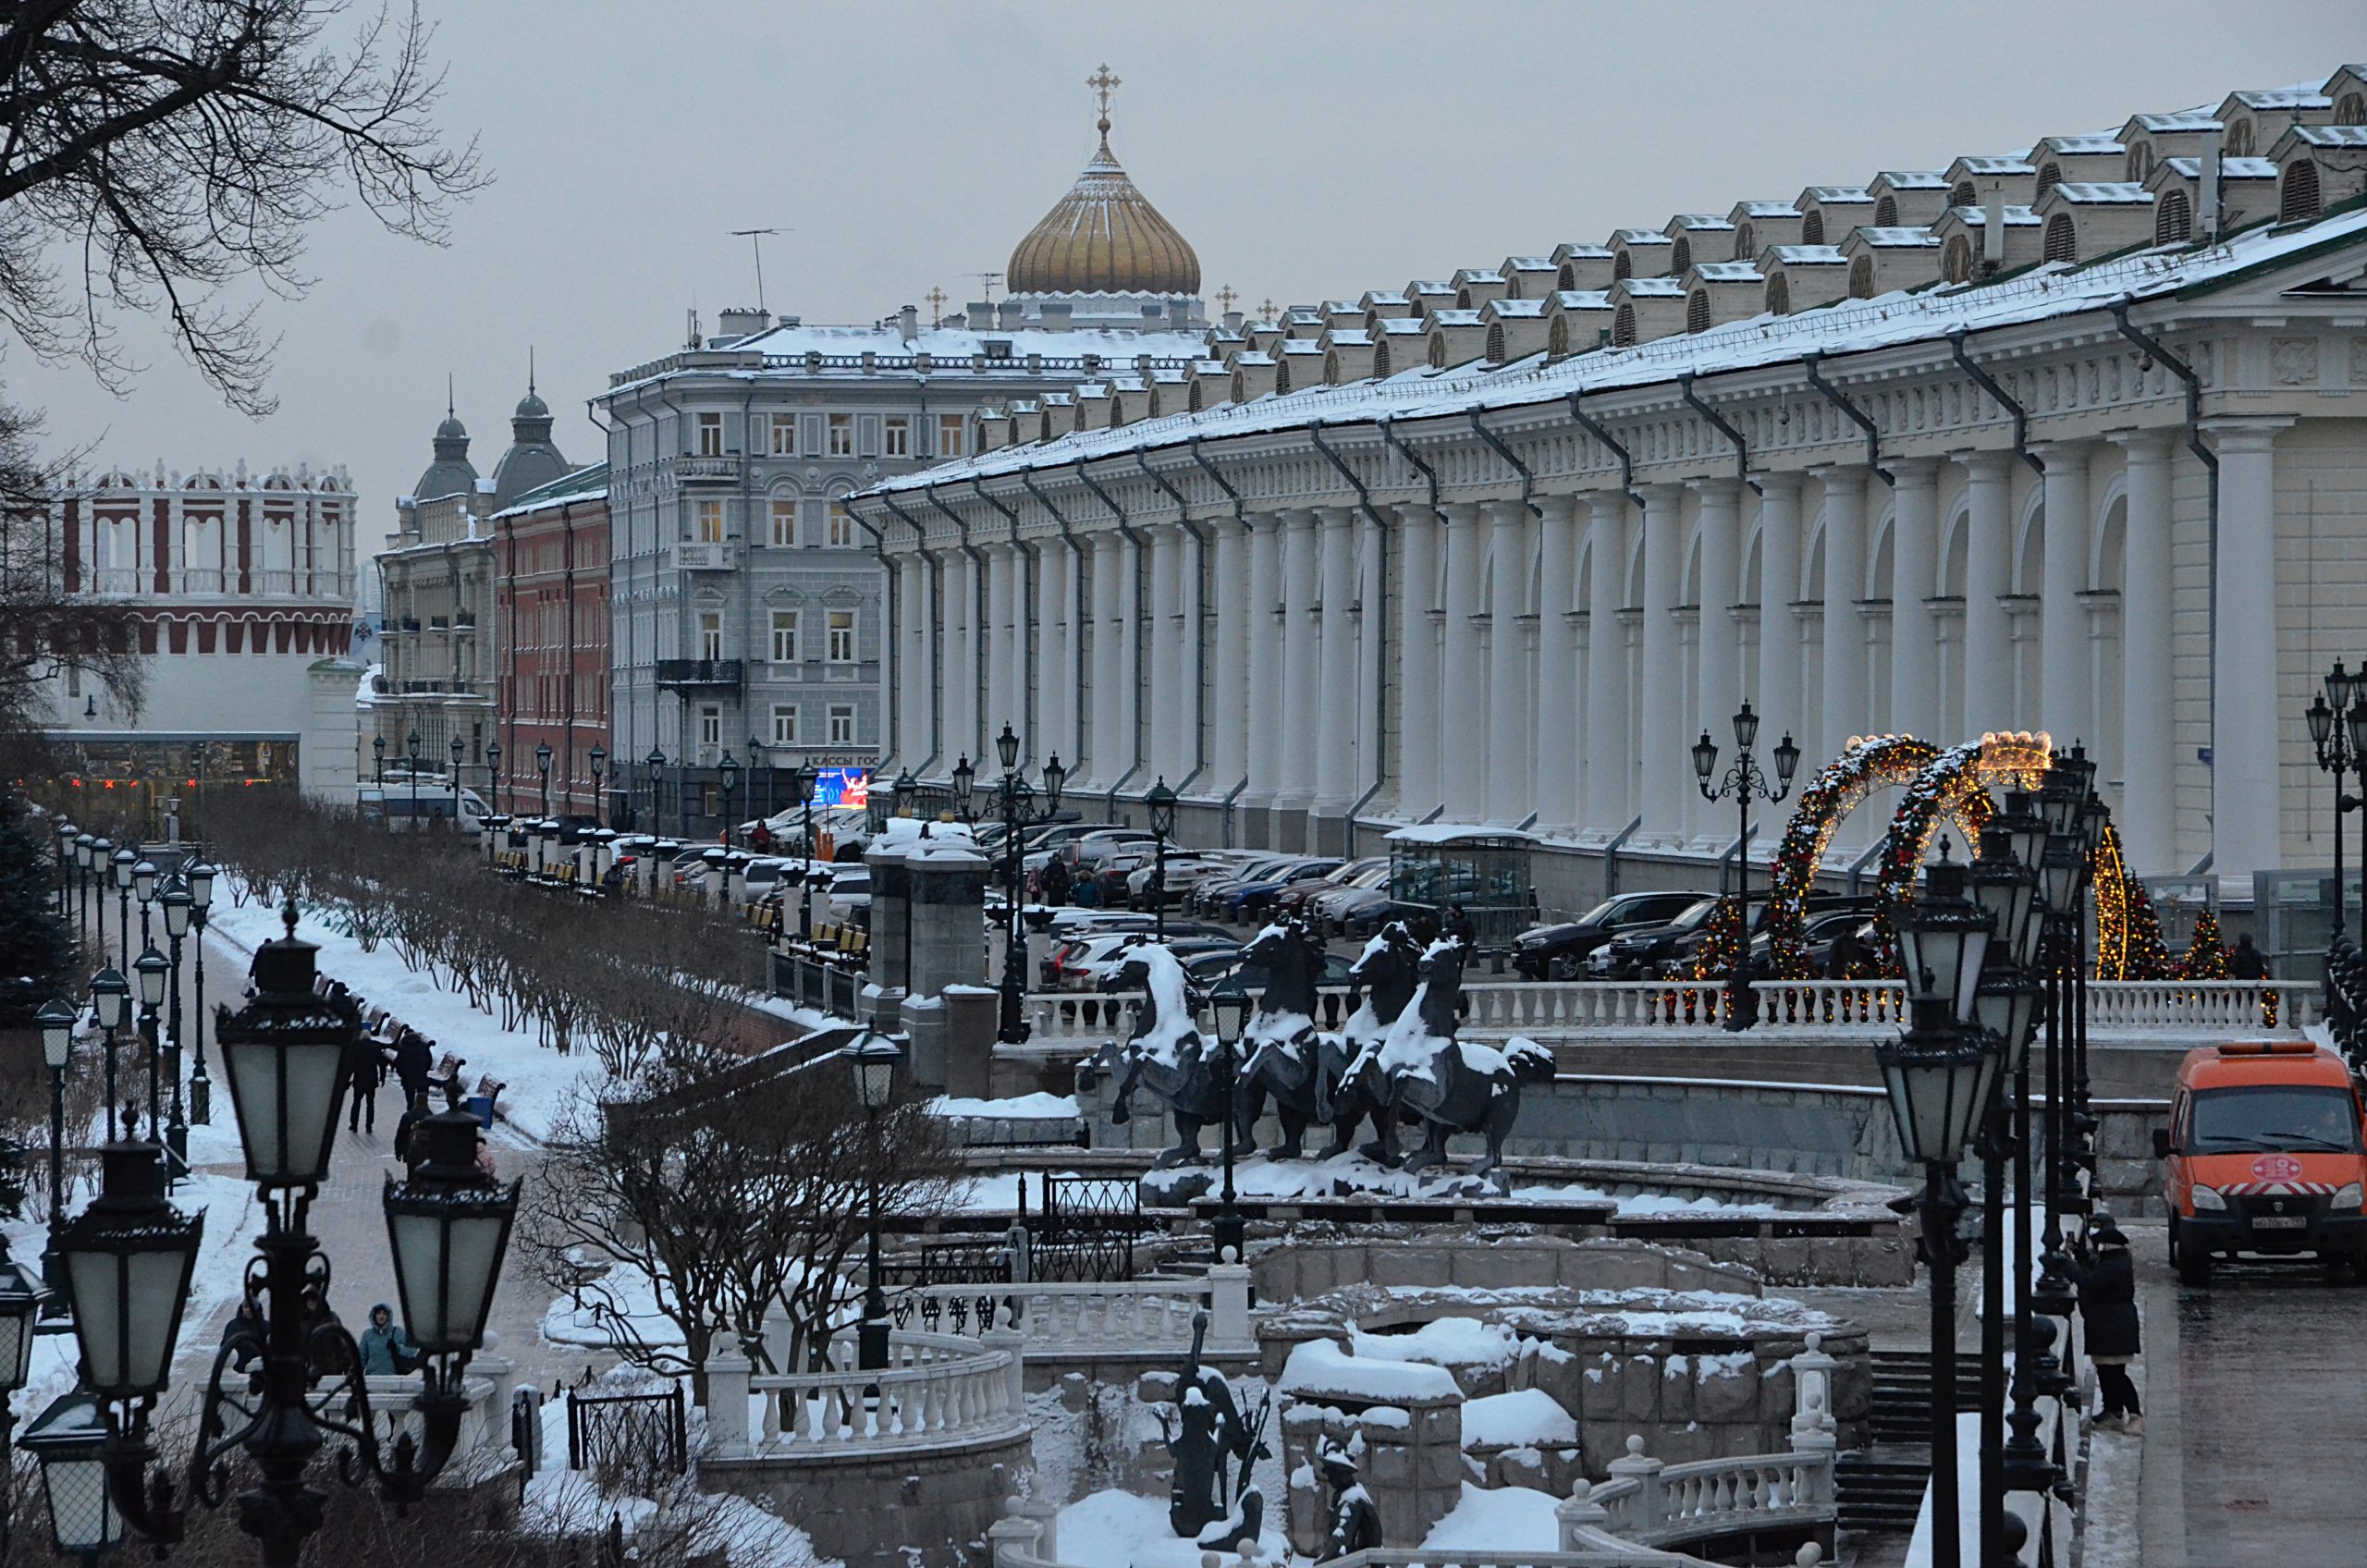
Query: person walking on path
[[386, 1351], [369, 1071], [411, 1063], [2107, 1281], [414, 1109], [2246, 962]]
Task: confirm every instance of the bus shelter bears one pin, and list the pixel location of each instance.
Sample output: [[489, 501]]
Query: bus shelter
[[1435, 869]]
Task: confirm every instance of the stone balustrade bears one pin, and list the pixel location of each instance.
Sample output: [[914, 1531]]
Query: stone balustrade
[[1098, 1320], [2132, 1010], [483, 1443], [937, 1390]]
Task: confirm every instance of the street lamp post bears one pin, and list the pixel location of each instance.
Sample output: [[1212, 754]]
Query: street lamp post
[[84, 845], [2330, 734], [179, 907], [1941, 1074], [129, 1256], [57, 1020], [1162, 802], [1230, 1006], [803, 781], [543, 764], [966, 781], [459, 750], [152, 971], [65, 871], [873, 1057], [2062, 871], [378, 761], [760, 763], [727, 773], [2356, 723], [493, 774], [413, 747], [1743, 782], [143, 891], [1016, 798], [598, 759], [200, 899], [655, 762], [121, 868]]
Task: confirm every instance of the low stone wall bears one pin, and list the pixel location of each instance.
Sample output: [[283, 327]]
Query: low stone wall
[[1411, 1464], [917, 1507], [1315, 1260]]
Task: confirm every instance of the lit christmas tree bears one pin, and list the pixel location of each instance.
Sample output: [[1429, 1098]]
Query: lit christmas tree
[[2206, 956]]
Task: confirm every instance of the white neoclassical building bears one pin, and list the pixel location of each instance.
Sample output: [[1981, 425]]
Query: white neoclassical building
[[1494, 548]]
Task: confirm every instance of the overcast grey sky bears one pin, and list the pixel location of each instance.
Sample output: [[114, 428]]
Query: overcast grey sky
[[1306, 151]]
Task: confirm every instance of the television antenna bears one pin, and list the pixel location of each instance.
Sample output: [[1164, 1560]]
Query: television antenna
[[755, 238], [986, 280]]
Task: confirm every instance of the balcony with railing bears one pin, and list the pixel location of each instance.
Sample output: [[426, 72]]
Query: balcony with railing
[[705, 470], [699, 674], [706, 554]]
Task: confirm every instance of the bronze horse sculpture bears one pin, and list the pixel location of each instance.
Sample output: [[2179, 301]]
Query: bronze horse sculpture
[[1387, 972], [1451, 1086], [1165, 1053], [1289, 1060]]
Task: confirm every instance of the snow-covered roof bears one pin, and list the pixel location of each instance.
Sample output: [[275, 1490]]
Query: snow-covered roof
[[1582, 298], [1892, 238], [2184, 120], [802, 350], [1728, 271], [1501, 308], [2301, 95], [1634, 237], [1477, 274], [2010, 162], [1454, 833], [1913, 179], [1858, 327], [1349, 337], [1585, 252], [1766, 209], [1976, 217], [1529, 264], [2329, 135], [2098, 145], [1403, 326], [2101, 193], [1838, 195], [1695, 221], [1809, 255], [584, 484], [2230, 168], [1650, 287]]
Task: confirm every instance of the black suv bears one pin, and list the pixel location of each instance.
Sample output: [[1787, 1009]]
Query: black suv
[[1559, 953]]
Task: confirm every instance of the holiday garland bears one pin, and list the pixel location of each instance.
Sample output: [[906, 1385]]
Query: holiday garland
[[1868, 763]]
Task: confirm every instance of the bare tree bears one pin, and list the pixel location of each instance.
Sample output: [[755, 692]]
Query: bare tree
[[166, 150]]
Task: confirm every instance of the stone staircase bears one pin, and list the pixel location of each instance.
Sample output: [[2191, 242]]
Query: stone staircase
[[1880, 1485]]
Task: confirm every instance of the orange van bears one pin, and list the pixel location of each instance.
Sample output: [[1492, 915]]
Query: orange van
[[2265, 1155]]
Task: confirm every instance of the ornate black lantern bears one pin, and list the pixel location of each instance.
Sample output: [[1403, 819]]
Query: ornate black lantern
[[127, 1261], [1055, 778], [1229, 1007], [1943, 937], [1162, 802], [966, 778], [1006, 747], [286, 1057], [449, 1225], [901, 792], [1939, 1077], [1705, 758], [69, 1440]]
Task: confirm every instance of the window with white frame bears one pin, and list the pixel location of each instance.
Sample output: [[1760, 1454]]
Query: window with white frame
[[951, 437], [899, 439], [784, 522], [842, 630], [784, 724], [710, 726], [710, 436], [841, 436], [784, 429], [784, 636], [710, 634], [842, 724], [841, 526], [711, 522]]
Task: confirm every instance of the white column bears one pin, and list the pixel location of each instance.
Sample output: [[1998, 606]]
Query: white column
[[1335, 758], [2245, 794], [1509, 799], [1721, 659], [1417, 661], [1228, 692], [1606, 749], [961, 660], [1112, 745], [1003, 642], [1778, 699], [1667, 769], [915, 692], [1988, 639], [1462, 737], [1844, 627], [1299, 667], [1371, 595], [1192, 655], [1132, 734], [2148, 803], [2064, 685], [1263, 736], [1554, 721], [1914, 578], [1166, 669], [1051, 651]]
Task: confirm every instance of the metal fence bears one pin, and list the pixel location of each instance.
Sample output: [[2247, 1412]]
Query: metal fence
[[1086, 1230], [635, 1434], [823, 987]]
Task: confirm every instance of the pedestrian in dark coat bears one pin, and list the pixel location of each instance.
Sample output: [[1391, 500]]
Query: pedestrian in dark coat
[[411, 1063], [2107, 1281], [413, 1112], [2247, 962]]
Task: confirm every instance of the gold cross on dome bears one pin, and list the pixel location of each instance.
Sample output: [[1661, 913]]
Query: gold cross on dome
[[1225, 297], [1266, 311], [1101, 81], [935, 298]]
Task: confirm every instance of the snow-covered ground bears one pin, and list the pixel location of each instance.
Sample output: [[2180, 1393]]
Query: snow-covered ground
[[1117, 1529], [1038, 1106], [1499, 1520]]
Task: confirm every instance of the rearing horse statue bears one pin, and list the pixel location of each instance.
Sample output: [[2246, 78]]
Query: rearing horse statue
[[1451, 1085], [1388, 972], [1165, 1053], [1289, 1058]]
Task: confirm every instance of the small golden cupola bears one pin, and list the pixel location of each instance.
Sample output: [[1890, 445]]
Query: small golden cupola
[[1104, 237]]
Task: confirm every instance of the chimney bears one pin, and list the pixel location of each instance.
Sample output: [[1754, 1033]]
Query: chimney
[[908, 322], [2206, 191], [1233, 320], [693, 340], [982, 316], [1992, 229]]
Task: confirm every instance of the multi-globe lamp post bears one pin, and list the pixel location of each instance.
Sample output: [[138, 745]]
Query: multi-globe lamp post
[[1743, 783], [1161, 804], [2337, 719], [1940, 1074], [1016, 801], [129, 1258], [1229, 1008], [872, 1058]]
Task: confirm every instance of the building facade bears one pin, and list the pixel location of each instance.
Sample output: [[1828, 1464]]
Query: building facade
[[748, 599], [550, 552], [2120, 501], [240, 585]]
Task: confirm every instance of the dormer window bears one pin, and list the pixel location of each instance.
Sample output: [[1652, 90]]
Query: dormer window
[[1956, 260], [1745, 242], [1437, 350], [2049, 177], [1621, 266], [1861, 277], [1557, 337], [2173, 218], [1567, 278], [1495, 342], [997, 347], [1381, 361], [2240, 140], [1779, 296], [2351, 109], [1623, 327], [2300, 198], [2061, 238], [1812, 227], [1963, 195], [1696, 311], [1680, 257], [1886, 212]]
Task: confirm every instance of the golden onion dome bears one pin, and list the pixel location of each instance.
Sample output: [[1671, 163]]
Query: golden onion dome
[[1104, 237]]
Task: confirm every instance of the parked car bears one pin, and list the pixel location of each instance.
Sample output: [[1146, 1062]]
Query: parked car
[[1818, 932], [1254, 900], [1210, 968], [1186, 869], [1641, 953], [1559, 952], [1356, 911], [1295, 899], [1205, 894], [1082, 965]]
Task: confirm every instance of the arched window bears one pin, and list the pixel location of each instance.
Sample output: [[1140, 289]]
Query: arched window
[[2062, 239], [2140, 162], [1812, 228], [1192, 402], [1117, 411], [1238, 386], [1963, 195], [2351, 109], [1332, 366], [1745, 243], [2049, 177], [1495, 342], [2300, 198], [1861, 277], [1886, 212], [2173, 218], [1696, 311], [2240, 140], [1623, 327], [1463, 297], [1779, 296], [1437, 350], [1281, 376], [1621, 267], [1567, 277], [1381, 361], [1557, 337], [1680, 257], [1956, 260]]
